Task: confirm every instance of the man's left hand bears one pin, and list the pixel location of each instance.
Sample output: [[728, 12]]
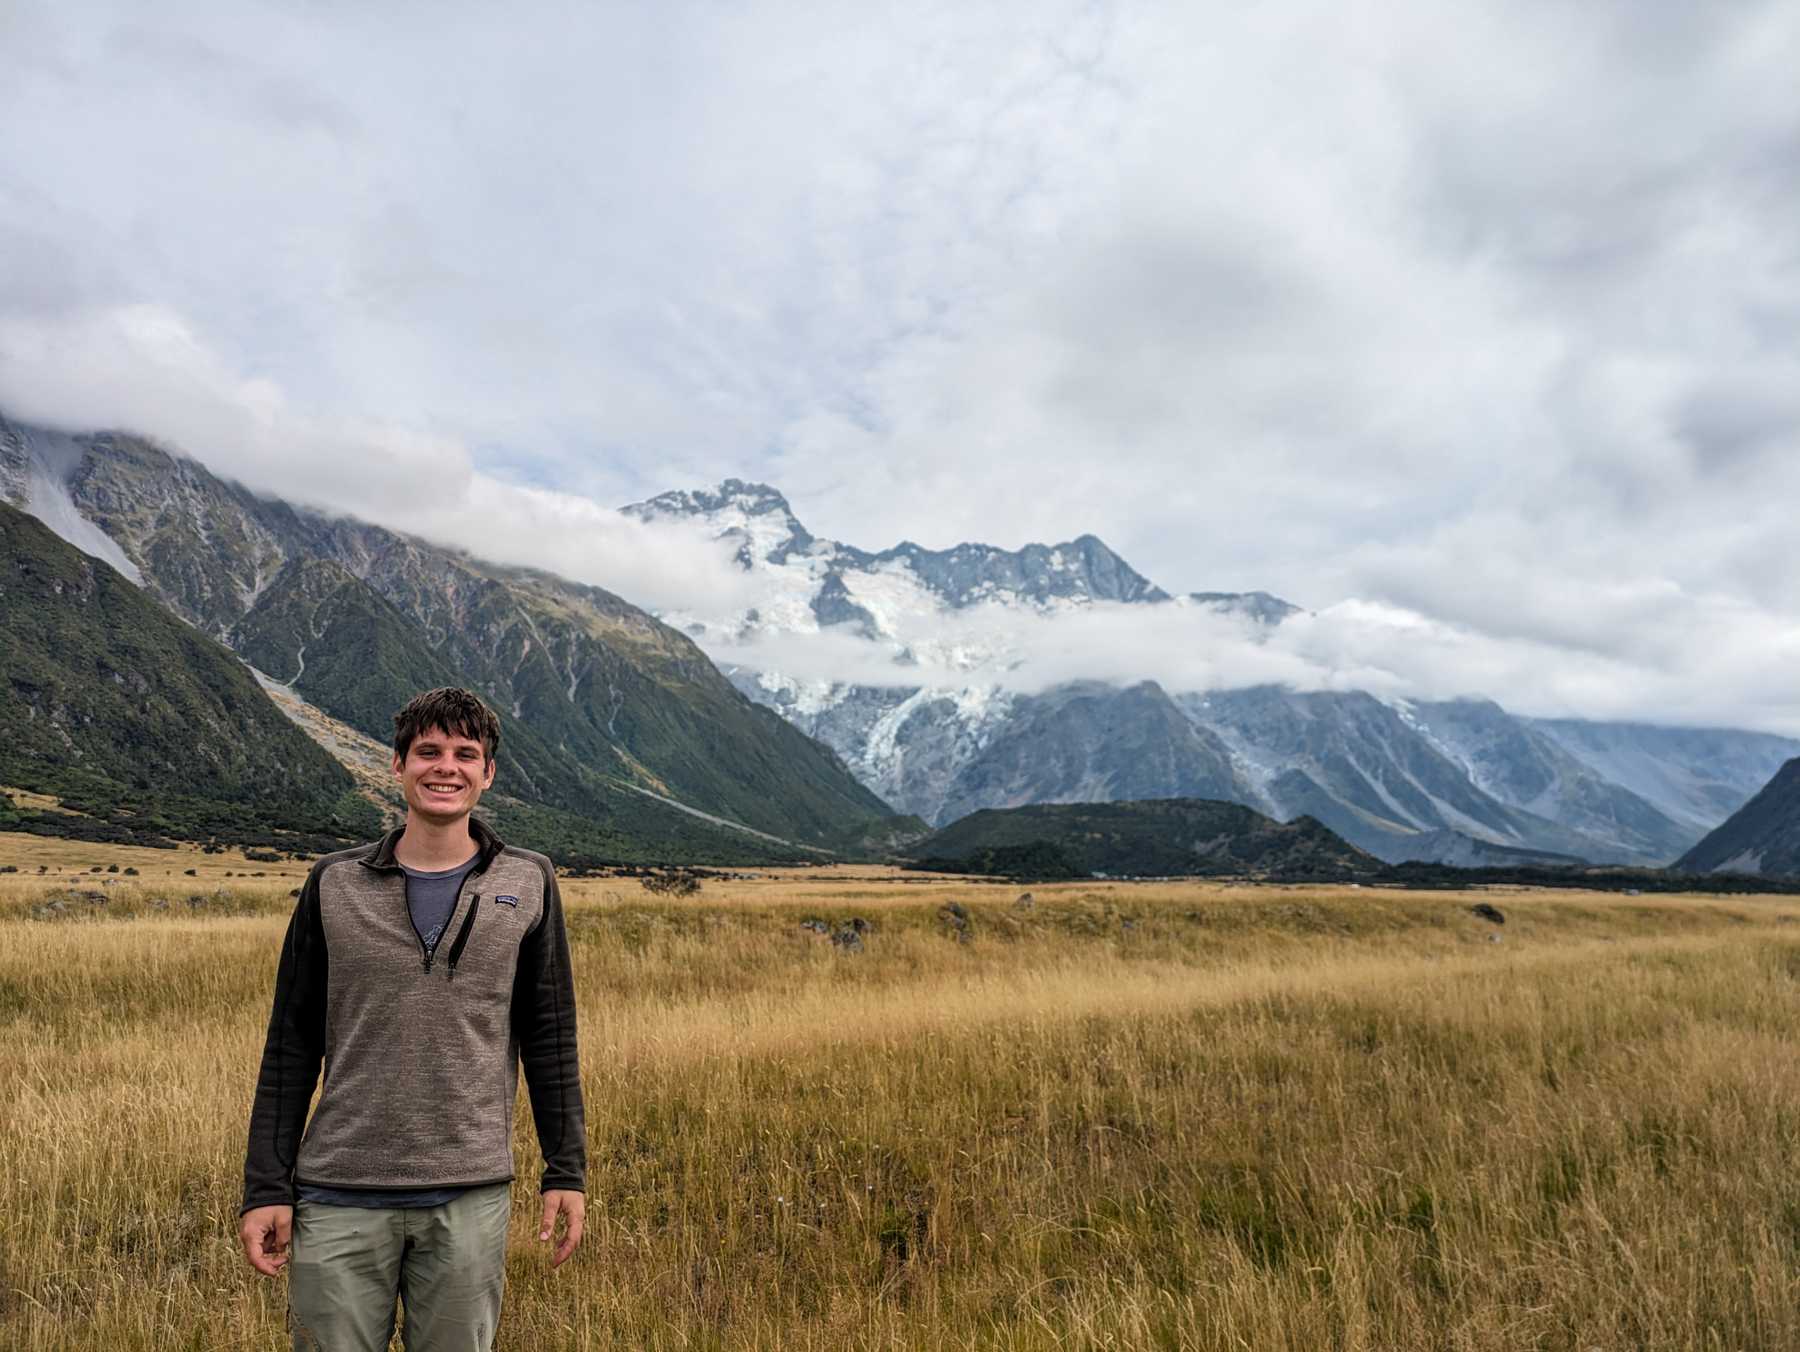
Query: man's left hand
[[574, 1207]]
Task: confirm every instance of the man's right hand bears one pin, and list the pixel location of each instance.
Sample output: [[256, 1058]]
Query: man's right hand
[[264, 1233]]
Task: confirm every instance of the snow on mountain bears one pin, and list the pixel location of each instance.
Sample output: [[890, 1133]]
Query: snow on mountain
[[908, 745], [35, 469], [1402, 778], [894, 584], [909, 742]]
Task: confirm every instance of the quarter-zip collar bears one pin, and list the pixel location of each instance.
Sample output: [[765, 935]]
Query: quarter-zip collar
[[487, 845], [380, 859]]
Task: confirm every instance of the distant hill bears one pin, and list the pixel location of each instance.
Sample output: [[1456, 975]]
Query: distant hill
[[1762, 837], [1161, 837], [1453, 849], [139, 723]]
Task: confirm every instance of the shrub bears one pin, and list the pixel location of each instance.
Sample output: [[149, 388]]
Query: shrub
[[672, 883]]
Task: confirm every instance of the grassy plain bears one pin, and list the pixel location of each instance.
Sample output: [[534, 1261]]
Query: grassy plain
[[1124, 1116]]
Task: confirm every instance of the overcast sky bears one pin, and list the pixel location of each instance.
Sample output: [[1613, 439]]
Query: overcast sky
[[1485, 315]]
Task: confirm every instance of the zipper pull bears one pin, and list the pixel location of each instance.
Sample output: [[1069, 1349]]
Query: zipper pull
[[462, 936], [425, 962]]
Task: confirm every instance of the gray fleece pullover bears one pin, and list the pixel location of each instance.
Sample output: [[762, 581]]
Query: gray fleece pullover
[[420, 1051]]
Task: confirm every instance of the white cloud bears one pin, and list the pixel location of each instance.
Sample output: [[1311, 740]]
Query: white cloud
[[1387, 650], [1487, 313], [141, 367]]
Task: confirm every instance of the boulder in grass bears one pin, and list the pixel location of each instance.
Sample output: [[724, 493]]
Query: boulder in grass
[[1483, 911]]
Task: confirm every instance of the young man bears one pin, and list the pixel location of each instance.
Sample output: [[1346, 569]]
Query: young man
[[420, 971]]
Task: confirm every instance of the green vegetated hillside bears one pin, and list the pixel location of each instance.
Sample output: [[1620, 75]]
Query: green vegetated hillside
[[881, 838], [357, 657], [143, 726], [325, 634], [1162, 837], [594, 689]]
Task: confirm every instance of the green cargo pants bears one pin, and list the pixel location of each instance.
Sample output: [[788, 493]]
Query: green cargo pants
[[446, 1264]]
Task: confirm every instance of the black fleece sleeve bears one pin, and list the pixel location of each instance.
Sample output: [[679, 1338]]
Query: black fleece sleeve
[[292, 1054], [543, 1018]]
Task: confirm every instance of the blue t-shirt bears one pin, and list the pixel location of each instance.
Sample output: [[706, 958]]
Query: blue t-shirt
[[431, 899]]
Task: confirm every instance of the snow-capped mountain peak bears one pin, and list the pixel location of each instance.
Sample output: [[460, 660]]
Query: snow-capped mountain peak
[[731, 495], [852, 582], [755, 513]]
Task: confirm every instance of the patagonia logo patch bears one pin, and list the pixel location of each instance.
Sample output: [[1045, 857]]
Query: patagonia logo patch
[[506, 901]]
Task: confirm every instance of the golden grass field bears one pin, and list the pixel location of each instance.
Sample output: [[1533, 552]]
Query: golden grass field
[[1126, 1116]]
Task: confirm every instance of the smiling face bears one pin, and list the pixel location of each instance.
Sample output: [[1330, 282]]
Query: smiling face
[[443, 775]]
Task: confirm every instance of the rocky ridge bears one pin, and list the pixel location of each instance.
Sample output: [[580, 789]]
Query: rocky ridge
[[1763, 836]]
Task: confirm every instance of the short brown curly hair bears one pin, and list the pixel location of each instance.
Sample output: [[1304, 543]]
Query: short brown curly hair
[[452, 710]]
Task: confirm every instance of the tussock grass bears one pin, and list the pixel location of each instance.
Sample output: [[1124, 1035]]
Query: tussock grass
[[1154, 1116]]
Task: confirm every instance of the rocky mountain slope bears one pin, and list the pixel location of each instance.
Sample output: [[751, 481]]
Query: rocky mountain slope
[[1090, 742], [1763, 836], [606, 709], [1413, 779], [1439, 781], [1696, 776], [141, 724], [1169, 837]]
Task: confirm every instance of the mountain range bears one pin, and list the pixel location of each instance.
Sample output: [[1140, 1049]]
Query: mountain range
[[1457, 781], [620, 739], [623, 740]]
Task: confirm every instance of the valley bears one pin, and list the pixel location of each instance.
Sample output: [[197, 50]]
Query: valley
[[624, 743]]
